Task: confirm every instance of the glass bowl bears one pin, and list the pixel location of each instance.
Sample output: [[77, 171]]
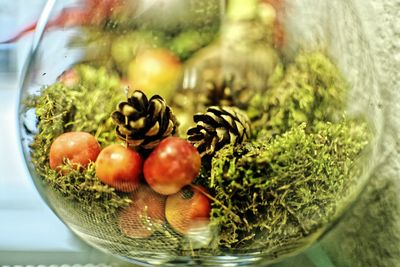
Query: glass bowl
[[273, 105]]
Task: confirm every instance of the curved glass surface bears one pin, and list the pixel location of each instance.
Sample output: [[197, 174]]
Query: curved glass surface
[[273, 107]]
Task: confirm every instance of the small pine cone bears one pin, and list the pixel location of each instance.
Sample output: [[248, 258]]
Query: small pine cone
[[219, 94], [218, 127], [142, 122], [229, 92]]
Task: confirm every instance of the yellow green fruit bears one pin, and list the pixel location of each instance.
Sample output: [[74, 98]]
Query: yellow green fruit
[[155, 71]]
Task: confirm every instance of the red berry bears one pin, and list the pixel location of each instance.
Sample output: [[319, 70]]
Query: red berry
[[173, 164], [140, 219], [187, 209], [79, 148], [119, 167]]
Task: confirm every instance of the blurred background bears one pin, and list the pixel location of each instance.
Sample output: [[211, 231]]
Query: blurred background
[[30, 234]]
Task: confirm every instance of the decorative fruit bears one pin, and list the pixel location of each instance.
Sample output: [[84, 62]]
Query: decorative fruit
[[69, 77], [155, 71], [78, 147], [146, 213], [187, 209], [119, 167], [278, 28], [173, 164]]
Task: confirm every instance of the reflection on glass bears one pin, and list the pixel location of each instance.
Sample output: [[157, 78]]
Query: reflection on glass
[[187, 132]]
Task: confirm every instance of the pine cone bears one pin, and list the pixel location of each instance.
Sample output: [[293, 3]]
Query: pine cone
[[229, 92], [142, 122], [218, 127]]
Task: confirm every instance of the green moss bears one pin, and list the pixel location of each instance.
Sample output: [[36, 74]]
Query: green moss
[[286, 188], [85, 107], [287, 182], [312, 89], [272, 192]]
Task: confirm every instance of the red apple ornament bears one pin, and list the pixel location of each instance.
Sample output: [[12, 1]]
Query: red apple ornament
[[146, 213], [173, 164], [119, 167], [188, 209], [79, 148]]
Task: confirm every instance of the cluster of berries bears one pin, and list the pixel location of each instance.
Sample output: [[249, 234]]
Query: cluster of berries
[[160, 185]]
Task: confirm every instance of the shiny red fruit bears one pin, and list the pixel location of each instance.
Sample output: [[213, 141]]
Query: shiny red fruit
[[79, 148], [188, 209], [119, 167], [173, 164], [145, 215]]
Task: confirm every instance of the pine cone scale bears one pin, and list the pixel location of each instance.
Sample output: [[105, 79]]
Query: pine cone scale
[[196, 137], [154, 130], [170, 128], [118, 118], [137, 142], [151, 145], [137, 124], [207, 127], [126, 109], [236, 139], [166, 121], [157, 108], [239, 128], [222, 135], [227, 119], [123, 131], [139, 101]]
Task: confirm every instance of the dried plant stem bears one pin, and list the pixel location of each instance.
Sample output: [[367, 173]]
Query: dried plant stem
[[236, 217]]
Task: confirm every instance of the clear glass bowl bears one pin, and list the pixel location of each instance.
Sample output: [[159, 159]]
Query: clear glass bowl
[[300, 71]]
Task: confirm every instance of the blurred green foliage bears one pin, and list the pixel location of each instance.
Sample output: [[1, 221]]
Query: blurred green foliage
[[83, 106]]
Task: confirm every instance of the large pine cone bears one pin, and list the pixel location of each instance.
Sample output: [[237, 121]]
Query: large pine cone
[[142, 122], [218, 127]]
